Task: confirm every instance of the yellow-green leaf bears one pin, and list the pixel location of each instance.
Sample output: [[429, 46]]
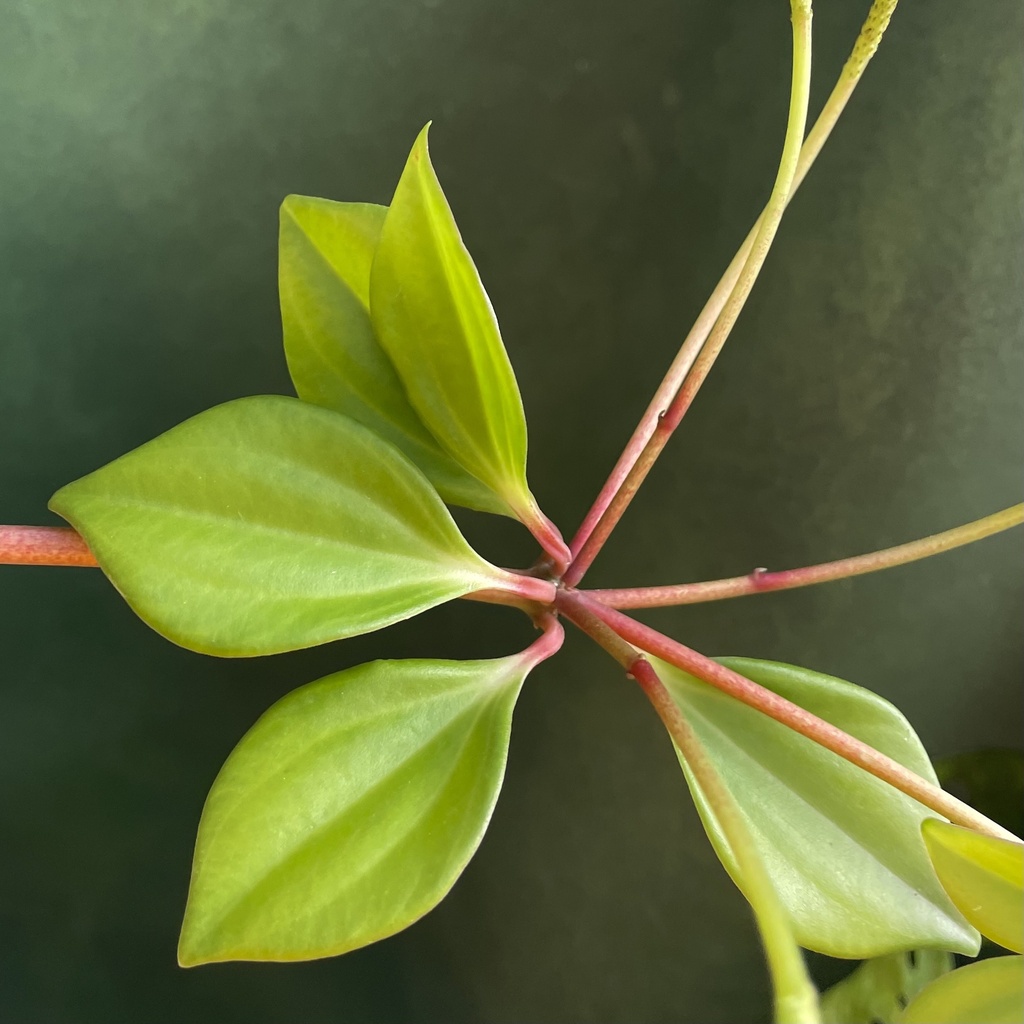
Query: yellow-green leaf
[[987, 992], [984, 877], [878, 990], [843, 849], [325, 253], [268, 524], [349, 809], [432, 316]]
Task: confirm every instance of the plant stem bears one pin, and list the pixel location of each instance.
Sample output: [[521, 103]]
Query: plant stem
[[43, 545], [789, 714], [761, 581], [796, 999], [556, 552], [518, 590], [548, 644], [767, 227], [863, 50]]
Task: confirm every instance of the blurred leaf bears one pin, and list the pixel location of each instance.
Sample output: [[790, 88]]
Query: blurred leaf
[[349, 809], [326, 250], [987, 992], [843, 849], [991, 781], [267, 525], [879, 989], [984, 877], [434, 320]]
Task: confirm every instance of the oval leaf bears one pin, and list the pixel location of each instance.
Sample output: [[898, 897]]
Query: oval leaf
[[984, 877], [349, 810], [988, 992], [325, 254], [433, 318], [843, 849], [267, 525]]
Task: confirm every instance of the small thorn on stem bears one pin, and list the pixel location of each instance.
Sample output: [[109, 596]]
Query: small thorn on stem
[[758, 577]]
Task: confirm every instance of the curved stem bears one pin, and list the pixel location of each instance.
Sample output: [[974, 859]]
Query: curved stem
[[548, 644], [761, 581], [43, 545], [796, 999], [767, 227], [863, 50], [556, 552], [789, 714]]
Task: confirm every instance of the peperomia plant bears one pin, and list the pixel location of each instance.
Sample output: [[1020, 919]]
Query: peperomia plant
[[349, 810]]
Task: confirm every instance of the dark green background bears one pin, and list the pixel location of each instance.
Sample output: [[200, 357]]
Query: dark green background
[[603, 160]]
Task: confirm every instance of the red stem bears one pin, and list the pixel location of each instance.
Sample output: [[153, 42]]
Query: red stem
[[786, 712], [556, 551], [548, 644], [43, 545], [760, 580]]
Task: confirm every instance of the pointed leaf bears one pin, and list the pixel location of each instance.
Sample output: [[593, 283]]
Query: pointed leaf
[[326, 249], [843, 849], [266, 525], [877, 991], [349, 810], [987, 992], [434, 319], [984, 877]]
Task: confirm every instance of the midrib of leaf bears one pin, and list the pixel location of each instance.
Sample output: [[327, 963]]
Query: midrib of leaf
[[363, 301], [337, 735], [265, 528], [448, 248], [314, 477], [324, 834]]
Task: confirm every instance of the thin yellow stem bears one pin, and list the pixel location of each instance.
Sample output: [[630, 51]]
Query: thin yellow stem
[[767, 228], [864, 48]]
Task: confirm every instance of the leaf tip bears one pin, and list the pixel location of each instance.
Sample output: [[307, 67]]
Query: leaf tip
[[187, 955], [421, 147]]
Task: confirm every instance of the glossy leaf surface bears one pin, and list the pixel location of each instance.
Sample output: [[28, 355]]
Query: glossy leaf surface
[[325, 254], [268, 524], [984, 877], [987, 992], [843, 849], [433, 317], [878, 990], [349, 809]]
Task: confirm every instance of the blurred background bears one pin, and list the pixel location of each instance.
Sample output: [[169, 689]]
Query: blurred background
[[603, 160]]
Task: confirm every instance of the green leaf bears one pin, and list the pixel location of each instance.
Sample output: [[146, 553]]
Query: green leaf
[[349, 810], [843, 849], [326, 250], [984, 877], [877, 991], [433, 318], [267, 525], [987, 992]]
